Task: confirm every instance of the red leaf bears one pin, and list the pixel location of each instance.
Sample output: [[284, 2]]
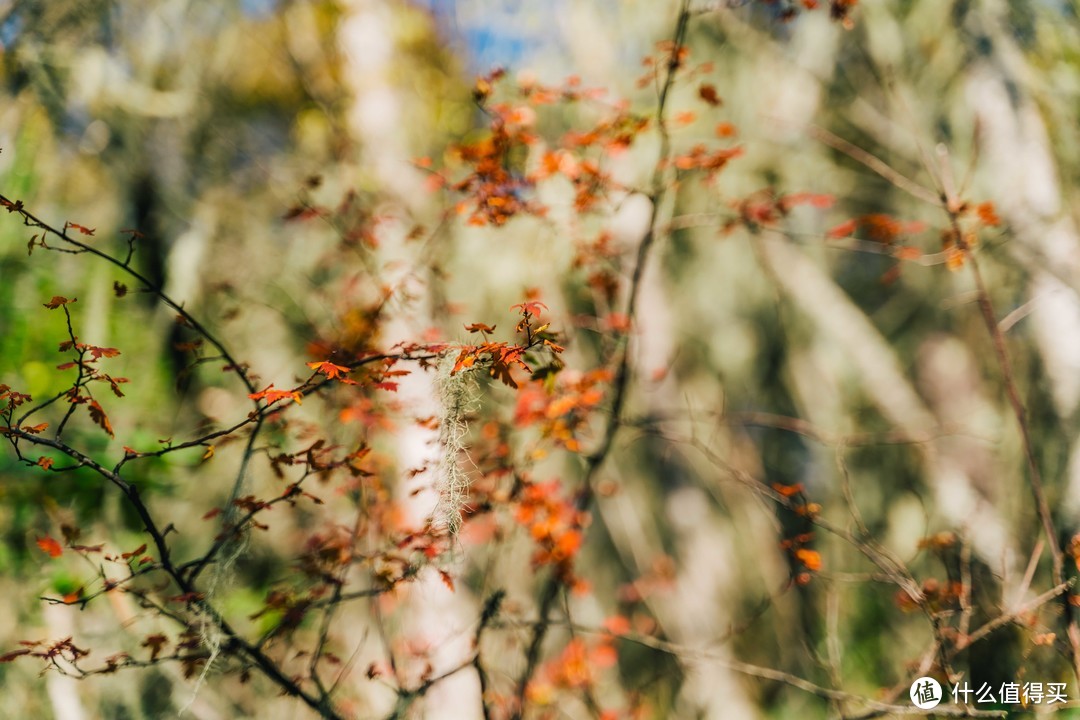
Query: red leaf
[[81, 228], [531, 307], [100, 352], [155, 643], [12, 655], [35, 429], [137, 551], [843, 229], [51, 546]]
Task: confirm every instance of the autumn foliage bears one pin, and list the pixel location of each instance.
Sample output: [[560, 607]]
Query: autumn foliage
[[534, 404]]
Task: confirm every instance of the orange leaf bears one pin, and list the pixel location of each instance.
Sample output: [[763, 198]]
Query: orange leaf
[[617, 625], [810, 558], [788, 490], [137, 551], [685, 118], [568, 544], [272, 395], [51, 546], [725, 130], [987, 215], [816, 200], [480, 327], [447, 580], [530, 307], [434, 182], [100, 352], [842, 230], [603, 656], [98, 416], [57, 301], [81, 228], [954, 258], [330, 370]]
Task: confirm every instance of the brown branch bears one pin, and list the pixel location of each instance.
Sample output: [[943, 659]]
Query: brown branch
[[685, 653], [873, 163], [965, 641], [1035, 483]]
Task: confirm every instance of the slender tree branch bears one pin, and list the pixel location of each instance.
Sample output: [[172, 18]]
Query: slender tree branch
[[620, 386]]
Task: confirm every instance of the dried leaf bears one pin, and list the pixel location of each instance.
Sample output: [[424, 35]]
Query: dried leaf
[[57, 301], [97, 414], [707, 92]]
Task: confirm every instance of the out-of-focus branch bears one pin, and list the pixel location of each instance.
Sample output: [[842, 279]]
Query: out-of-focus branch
[[657, 194], [31, 220]]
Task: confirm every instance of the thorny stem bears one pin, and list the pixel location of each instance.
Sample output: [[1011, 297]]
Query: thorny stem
[[550, 592]]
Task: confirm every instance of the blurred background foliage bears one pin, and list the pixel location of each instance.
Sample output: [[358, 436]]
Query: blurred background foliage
[[203, 125]]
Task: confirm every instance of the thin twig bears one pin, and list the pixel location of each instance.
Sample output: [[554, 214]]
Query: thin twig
[[620, 385], [873, 163]]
